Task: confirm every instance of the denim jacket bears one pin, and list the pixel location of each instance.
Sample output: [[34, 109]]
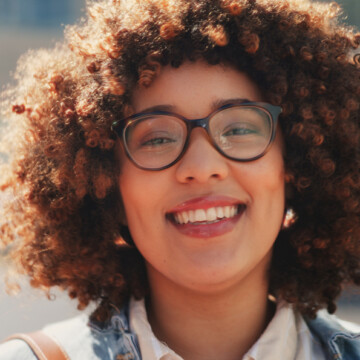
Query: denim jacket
[[114, 340]]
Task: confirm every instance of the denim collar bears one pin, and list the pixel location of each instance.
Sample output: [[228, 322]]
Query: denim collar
[[116, 336], [339, 342]]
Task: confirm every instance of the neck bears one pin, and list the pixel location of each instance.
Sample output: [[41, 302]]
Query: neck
[[201, 326]]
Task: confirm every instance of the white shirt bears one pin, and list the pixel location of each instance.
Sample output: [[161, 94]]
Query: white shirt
[[287, 337]]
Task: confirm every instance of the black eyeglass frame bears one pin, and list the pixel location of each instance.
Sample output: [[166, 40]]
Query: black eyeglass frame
[[119, 128]]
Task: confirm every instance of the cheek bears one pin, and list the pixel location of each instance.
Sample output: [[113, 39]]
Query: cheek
[[128, 182], [134, 200], [277, 180], [264, 182], [143, 195], [132, 191], [264, 177], [273, 183]]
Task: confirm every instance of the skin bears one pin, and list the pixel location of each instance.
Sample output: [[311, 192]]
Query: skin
[[214, 287]]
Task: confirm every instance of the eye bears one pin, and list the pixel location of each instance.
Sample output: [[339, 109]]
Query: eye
[[240, 129], [156, 139], [155, 134]]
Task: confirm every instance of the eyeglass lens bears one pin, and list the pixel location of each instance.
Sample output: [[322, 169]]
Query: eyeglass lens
[[239, 132]]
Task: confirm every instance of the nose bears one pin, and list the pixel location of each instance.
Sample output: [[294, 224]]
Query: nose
[[201, 162]]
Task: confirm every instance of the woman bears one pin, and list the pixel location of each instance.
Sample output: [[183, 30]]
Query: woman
[[193, 169]]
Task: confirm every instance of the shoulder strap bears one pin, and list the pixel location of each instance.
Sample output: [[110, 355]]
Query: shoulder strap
[[42, 345]]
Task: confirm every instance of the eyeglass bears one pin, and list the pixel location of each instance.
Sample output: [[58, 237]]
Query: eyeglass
[[240, 131]]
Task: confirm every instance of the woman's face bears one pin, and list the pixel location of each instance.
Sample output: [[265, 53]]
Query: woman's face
[[203, 256]]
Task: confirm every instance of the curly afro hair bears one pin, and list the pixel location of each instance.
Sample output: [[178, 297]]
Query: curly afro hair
[[62, 220]]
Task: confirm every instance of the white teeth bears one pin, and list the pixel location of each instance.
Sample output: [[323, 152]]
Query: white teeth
[[211, 214], [177, 218], [206, 216], [200, 215], [219, 212], [191, 214], [227, 211], [185, 217], [181, 218]]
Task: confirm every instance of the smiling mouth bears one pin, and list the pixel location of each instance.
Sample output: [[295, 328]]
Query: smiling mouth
[[206, 216]]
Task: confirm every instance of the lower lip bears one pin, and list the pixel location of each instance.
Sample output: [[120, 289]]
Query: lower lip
[[208, 230]]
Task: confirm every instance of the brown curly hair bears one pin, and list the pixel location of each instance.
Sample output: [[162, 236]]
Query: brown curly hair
[[63, 223]]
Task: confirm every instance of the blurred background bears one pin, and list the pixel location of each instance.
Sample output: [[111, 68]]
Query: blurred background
[[31, 24], [26, 24]]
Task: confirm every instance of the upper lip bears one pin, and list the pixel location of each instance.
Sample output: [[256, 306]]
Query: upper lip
[[205, 202]]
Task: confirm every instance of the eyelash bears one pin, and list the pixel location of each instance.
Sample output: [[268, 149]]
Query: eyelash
[[154, 141]]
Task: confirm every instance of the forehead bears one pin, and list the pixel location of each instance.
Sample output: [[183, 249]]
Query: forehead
[[193, 87]]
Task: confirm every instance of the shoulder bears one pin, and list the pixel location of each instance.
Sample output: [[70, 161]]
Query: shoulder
[[75, 337], [350, 326], [15, 350], [340, 338], [82, 339], [330, 324], [69, 334]]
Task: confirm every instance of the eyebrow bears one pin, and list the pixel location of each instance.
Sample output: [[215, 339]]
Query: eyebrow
[[214, 105]]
